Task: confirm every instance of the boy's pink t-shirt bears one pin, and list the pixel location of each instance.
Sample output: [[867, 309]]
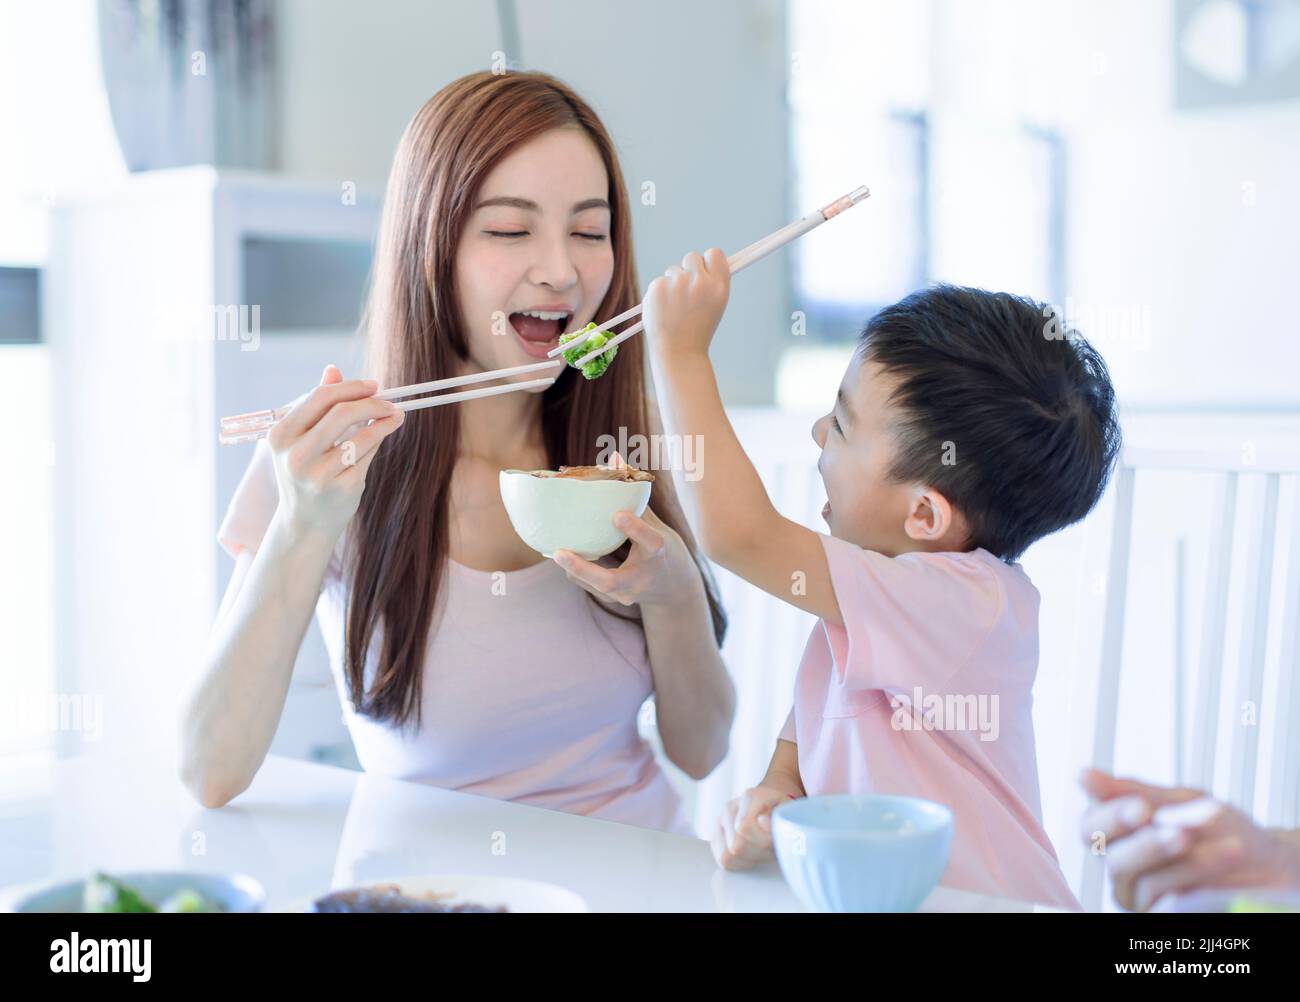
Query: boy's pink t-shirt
[[926, 691]]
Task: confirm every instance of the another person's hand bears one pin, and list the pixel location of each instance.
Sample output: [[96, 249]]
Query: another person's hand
[[743, 836], [681, 309], [1160, 841], [321, 483]]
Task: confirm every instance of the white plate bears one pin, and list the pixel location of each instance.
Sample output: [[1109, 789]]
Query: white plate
[[517, 895]]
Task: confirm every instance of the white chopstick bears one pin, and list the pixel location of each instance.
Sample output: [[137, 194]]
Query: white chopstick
[[739, 261], [486, 391], [473, 377], [258, 424]]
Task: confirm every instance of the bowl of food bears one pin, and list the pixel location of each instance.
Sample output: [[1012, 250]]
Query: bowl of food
[[573, 508], [862, 853], [138, 893]]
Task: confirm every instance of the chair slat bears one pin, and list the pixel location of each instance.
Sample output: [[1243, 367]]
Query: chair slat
[[1112, 647], [1244, 759], [1180, 661], [1205, 716], [1284, 795]]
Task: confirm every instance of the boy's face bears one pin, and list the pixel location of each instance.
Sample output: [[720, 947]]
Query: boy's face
[[864, 505]]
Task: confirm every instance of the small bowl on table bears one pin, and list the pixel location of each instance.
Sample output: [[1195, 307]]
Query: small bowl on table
[[862, 853]]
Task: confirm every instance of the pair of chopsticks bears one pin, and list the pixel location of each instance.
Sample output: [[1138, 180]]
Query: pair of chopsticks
[[255, 425]]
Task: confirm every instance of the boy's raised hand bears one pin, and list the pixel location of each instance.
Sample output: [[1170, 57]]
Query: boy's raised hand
[[744, 833], [681, 309]]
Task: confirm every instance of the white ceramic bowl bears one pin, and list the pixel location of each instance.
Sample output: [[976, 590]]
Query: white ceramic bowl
[[563, 513]]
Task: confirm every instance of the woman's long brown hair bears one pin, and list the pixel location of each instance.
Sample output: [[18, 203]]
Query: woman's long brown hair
[[399, 536]]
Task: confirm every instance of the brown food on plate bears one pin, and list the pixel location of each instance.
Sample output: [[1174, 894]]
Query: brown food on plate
[[626, 474], [389, 898]]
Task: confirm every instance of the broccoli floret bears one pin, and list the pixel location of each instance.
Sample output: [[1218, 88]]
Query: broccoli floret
[[597, 366]]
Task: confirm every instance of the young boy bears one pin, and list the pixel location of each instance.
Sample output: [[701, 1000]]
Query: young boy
[[966, 427]]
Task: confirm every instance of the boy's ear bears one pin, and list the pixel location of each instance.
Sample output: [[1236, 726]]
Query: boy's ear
[[929, 516]]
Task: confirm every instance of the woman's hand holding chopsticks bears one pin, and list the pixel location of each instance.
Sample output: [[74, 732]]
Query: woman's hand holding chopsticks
[[324, 446]]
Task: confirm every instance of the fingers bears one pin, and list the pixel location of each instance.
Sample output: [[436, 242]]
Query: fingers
[[316, 404], [754, 820], [1203, 813], [336, 424], [603, 579], [724, 835], [1102, 786], [716, 263], [362, 444], [1115, 818], [639, 531], [1134, 858], [1202, 866], [744, 830]]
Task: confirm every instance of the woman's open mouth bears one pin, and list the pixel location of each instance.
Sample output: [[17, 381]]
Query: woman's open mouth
[[539, 330], [826, 511]]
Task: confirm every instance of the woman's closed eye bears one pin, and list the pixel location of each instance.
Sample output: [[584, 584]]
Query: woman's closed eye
[[515, 234]]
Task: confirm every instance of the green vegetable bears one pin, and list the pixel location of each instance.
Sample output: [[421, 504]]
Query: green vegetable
[[187, 901], [104, 894], [597, 366]]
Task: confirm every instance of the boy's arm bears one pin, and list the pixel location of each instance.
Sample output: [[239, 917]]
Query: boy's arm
[[783, 770], [727, 506]]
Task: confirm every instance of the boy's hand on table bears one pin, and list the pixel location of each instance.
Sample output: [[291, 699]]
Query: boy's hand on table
[[743, 836], [681, 309]]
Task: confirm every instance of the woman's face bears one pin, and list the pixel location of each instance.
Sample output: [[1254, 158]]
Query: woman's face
[[537, 242]]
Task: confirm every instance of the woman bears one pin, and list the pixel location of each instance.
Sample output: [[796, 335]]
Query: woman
[[463, 660]]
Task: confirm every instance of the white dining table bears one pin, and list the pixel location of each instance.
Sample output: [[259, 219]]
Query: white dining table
[[302, 829]]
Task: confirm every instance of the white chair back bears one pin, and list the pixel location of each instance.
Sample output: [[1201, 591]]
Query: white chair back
[[1229, 468]]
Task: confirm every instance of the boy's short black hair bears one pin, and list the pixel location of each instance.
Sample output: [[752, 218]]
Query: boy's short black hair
[[1005, 412]]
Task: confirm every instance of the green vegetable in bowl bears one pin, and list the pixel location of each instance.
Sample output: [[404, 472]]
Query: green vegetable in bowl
[[187, 900], [104, 894], [597, 366]]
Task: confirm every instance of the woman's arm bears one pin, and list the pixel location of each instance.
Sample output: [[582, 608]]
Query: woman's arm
[[234, 707], [695, 700]]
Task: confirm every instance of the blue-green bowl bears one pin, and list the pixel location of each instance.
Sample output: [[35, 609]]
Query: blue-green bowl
[[862, 853]]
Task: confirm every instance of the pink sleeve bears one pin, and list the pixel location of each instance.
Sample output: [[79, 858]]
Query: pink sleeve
[[787, 731], [253, 506], [912, 620]]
